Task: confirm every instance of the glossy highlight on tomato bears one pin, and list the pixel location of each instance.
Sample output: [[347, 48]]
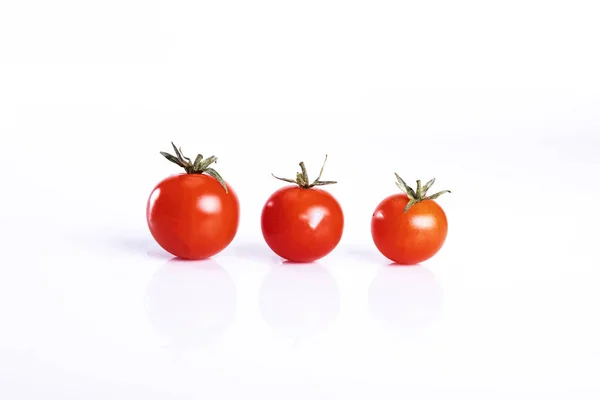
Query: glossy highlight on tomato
[[409, 228], [193, 215], [302, 223]]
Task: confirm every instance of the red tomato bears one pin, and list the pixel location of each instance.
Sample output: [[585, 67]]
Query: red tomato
[[193, 215], [409, 228], [302, 223]]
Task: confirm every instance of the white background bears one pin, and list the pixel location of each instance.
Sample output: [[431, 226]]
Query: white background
[[498, 100]]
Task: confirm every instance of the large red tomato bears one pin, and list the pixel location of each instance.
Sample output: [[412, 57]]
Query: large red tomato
[[193, 215], [409, 228], [302, 223]]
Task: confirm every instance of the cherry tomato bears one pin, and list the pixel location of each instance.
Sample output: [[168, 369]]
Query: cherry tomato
[[193, 215], [302, 223], [409, 228]]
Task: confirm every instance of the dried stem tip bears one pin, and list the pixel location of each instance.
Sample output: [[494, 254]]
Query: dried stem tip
[[420, 194], [302, 178], [200, 165]]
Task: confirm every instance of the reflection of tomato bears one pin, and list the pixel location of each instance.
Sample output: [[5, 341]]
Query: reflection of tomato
[[299, 301], [409, 228], [193, 215], [191, 302], [302, 223], [406, 299]]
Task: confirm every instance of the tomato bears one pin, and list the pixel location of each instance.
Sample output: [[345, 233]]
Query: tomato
[[302, 223], [409, 228], [193, 215]]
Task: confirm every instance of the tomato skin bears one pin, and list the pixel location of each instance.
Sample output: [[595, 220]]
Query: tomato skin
[[412, 237], [302, 225], [191, 216]]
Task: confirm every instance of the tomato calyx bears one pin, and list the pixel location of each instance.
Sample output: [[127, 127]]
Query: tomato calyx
[[200, 165], [417, 196], [302, 177]]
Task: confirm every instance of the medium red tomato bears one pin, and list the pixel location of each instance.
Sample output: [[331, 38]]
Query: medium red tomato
[[409, 228], [193, 215], [302, 223]]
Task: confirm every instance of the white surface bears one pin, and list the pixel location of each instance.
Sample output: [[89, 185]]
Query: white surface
[[499, 103]]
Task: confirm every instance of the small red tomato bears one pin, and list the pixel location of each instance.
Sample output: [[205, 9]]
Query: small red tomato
[[409, 228], [302, 223], [193, 215]]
